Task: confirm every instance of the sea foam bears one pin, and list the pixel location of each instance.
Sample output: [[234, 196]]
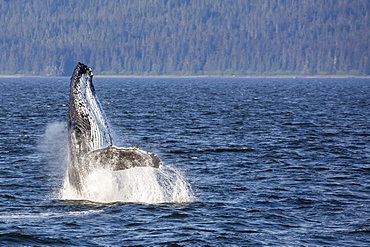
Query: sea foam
[[139, 185]]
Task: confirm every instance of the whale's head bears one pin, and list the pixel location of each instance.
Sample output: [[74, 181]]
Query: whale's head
[[87, 124], [81, 80]]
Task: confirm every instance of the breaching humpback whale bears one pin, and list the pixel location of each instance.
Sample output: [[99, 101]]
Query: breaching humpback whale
[[90, 139]]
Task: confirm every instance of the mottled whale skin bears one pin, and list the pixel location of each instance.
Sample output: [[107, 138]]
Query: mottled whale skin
[[90, 139]]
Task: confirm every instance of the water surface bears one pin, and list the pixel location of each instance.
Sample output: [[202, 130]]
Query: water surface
[[270, 162]]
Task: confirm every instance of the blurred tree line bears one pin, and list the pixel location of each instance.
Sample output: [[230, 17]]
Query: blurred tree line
[[186, 37]]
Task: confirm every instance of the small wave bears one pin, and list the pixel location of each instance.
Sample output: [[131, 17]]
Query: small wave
[[24, 239], [221, 150], [21, 216], [361, 230], [213, 150], [176, 151]]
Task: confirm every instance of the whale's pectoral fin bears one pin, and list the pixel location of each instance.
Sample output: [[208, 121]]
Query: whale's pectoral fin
[[116, 158]]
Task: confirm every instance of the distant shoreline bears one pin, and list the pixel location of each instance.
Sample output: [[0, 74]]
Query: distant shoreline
[[199, 76]]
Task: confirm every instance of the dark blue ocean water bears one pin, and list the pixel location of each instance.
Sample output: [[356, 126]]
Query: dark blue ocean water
[[271, 162]]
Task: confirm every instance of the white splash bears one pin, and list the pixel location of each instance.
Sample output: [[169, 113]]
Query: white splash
[[138, 185], [54, 142]]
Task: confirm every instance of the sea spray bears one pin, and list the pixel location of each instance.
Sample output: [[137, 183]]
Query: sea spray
[[53, 146], [140, 184]]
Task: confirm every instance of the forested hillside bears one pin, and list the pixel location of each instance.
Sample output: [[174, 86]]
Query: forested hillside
[[186, 37]]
